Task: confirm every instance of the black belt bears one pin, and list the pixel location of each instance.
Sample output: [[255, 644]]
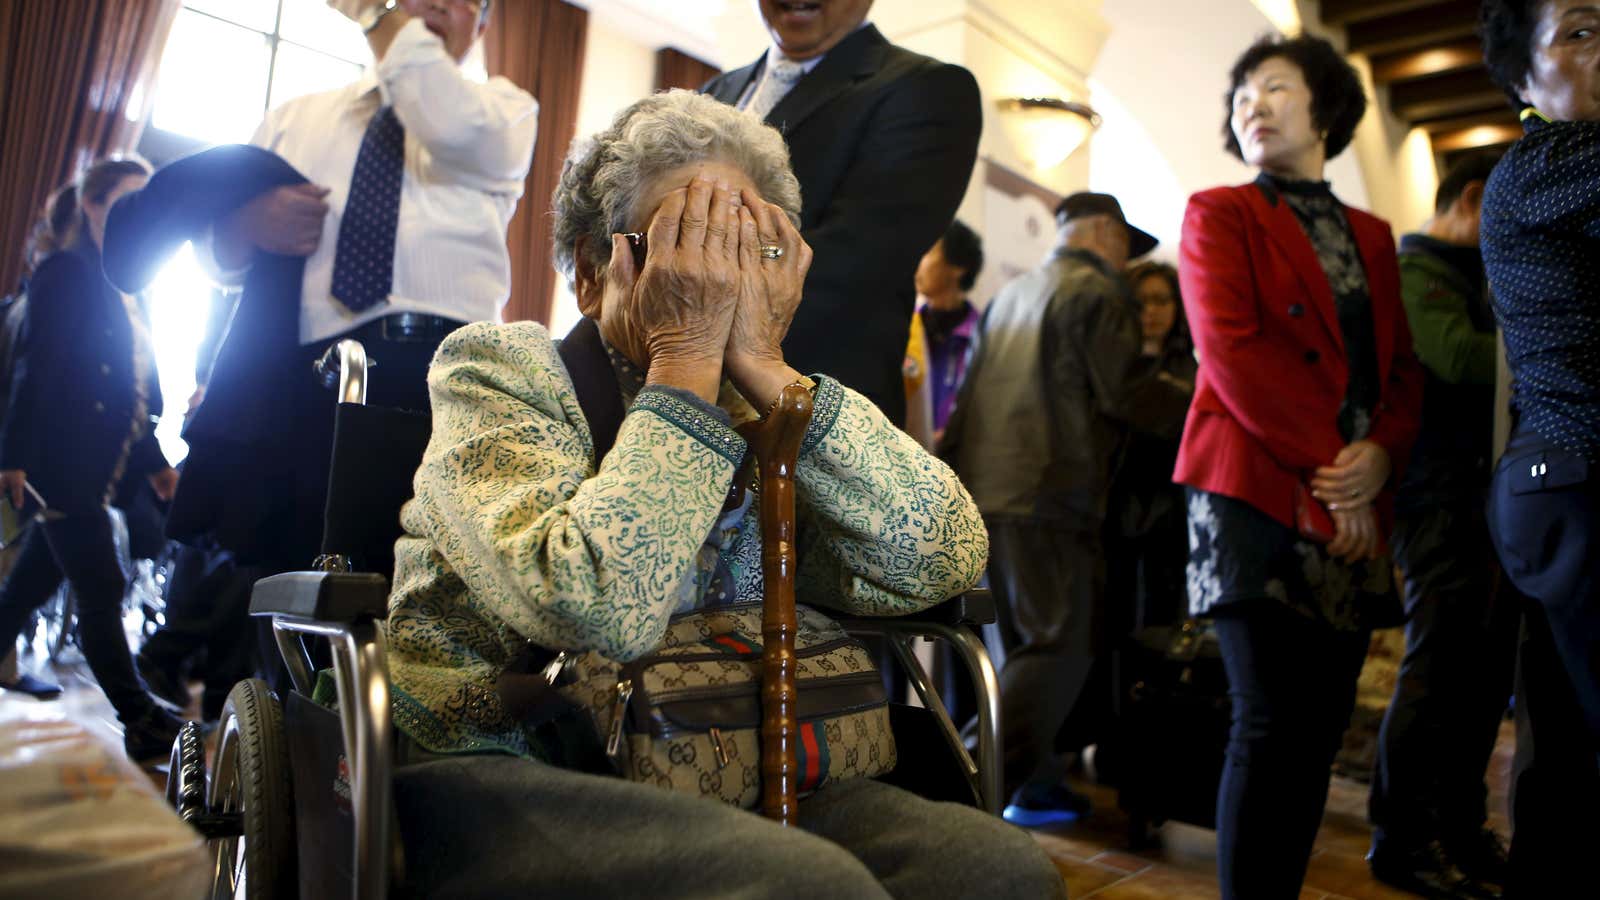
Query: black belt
[[407, 327]]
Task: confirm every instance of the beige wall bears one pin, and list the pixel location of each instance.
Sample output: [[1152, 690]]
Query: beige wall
[[1160, 79], [617, 69]]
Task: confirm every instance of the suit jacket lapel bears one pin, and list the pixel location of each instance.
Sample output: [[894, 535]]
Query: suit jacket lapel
[[1284, 229], [730, 87], [854, 58]]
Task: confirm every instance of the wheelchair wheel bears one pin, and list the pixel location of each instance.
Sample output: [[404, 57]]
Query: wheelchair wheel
[[251, 776]]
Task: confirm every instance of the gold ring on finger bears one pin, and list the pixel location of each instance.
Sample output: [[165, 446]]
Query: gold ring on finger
[[771, 251]]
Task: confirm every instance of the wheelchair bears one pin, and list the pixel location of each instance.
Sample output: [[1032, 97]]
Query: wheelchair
[[297, 800]]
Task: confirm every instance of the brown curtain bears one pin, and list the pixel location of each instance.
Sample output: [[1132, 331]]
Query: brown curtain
[[68, 69], [539, 45], [676, 69]]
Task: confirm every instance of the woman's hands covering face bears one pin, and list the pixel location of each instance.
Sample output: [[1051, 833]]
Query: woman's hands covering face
[[682, 304], [706, 301], [769, 289]]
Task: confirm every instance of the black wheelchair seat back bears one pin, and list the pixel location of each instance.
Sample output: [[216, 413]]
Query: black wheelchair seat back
[[376, 452]]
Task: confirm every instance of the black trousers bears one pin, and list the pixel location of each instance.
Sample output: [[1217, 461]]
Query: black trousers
[[80, 548], [1454, 682], [1048, 584], [208, 609], [1293, 685], [1548, 537]]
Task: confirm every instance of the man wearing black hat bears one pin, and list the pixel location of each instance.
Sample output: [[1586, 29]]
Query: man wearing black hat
[[1039, 426]]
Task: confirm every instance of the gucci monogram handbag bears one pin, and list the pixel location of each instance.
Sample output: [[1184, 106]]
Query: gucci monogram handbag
[[687, 717]]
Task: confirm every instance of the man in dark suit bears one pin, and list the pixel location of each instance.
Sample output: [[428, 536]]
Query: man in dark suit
[[883, 141]]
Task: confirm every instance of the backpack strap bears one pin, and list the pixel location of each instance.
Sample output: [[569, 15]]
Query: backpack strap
[[595, 383]]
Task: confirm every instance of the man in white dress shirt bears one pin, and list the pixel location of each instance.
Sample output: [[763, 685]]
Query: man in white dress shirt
[[462, 151], [414, 172]]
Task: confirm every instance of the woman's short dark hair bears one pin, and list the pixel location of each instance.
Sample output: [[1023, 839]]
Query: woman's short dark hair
[[1507, 27], [1337, 99], [964, 250]]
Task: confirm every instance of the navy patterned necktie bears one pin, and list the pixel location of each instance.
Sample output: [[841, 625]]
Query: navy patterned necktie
[[363, 261]]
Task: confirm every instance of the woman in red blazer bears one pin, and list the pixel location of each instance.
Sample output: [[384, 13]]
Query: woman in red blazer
[[1307, 400]]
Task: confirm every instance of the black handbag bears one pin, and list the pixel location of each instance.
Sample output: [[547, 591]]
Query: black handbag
[[1169, 734]]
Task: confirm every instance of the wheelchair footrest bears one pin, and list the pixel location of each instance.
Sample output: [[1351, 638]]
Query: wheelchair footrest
[[186, 788], [218, 825]]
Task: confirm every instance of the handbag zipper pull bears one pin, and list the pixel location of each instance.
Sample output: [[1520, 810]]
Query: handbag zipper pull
[[716, 744], [552, 670], [618, 713]]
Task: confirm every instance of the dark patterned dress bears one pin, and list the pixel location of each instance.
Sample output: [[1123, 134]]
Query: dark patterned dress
[[1239, 554]]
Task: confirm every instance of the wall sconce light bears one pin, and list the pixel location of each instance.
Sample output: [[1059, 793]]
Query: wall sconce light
[[1046, 130]]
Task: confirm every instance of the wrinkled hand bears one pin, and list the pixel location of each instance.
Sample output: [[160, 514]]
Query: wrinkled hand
[[1354, 479], [769, 289], [769, 294], [11, 485], [164, 482], [286, 221], [1355, 534], [681, 304]]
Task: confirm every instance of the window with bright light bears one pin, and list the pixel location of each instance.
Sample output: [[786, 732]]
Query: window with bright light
[[229, 61]]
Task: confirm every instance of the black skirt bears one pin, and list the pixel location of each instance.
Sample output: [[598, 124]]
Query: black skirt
[[1238, 553]]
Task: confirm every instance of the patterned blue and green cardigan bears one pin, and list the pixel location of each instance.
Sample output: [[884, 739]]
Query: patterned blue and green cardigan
[[513, 536]]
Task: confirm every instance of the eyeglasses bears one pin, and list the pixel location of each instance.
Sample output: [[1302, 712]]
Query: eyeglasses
[[636, 240]]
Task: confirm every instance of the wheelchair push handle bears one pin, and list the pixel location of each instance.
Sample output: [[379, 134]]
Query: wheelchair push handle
[[345, 365], [775, 442]]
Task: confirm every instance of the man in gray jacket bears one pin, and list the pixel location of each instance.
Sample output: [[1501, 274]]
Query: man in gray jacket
[[1038, 431]]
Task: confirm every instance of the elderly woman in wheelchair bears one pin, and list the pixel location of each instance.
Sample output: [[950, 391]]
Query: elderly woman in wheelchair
[[631, 545], [591, 584]]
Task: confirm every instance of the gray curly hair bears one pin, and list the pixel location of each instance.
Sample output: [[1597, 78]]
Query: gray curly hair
[[605, 175]]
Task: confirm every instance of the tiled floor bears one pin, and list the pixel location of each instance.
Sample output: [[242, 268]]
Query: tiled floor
[[1093, 863], [81, 699], [1089, 854]]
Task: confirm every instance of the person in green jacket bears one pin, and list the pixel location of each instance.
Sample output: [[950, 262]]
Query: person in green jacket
[[1428, 798]]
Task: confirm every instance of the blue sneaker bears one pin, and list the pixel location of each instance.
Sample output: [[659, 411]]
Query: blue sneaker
[[1042, 805]]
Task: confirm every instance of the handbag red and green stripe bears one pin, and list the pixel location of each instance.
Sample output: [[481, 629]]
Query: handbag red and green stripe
[[811, 757], [735, 644]]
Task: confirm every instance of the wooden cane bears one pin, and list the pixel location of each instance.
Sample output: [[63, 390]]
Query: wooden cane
[[775, 442]]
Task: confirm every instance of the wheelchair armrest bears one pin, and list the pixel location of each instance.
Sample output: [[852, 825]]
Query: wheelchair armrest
[[974, 609], [323, 596]]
